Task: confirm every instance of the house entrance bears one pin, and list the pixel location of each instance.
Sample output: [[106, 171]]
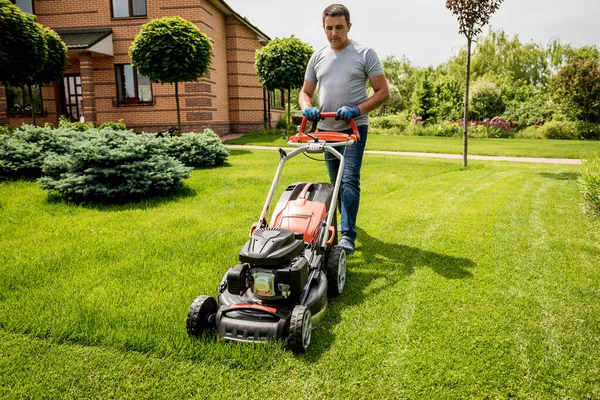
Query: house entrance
[[72, 97]]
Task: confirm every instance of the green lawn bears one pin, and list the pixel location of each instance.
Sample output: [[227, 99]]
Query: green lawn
[[432, 144], [477, 283]]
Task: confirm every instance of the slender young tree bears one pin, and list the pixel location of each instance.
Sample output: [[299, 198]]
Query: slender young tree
[[472, 15], [23, 48], [53, 67], [171, 50], [281, 65]]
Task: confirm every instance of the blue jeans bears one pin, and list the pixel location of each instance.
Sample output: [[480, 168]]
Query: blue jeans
[[349, 196]]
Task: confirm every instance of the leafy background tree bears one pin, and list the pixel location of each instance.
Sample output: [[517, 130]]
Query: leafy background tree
[[171, 50], [281, 64], [472, 16], [577, 89]]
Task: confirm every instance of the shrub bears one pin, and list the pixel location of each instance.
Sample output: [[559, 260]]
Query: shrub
[[534, 111], [5, 130], [486, 100], [588, 130], [281, 122], [116, 126], [23, 152], [198, 150], [111, 166], [589, 185], [79, 126], [389, 122], [565, 130]]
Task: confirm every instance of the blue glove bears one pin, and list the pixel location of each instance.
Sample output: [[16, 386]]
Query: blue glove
[[312, 114], [346, 113]]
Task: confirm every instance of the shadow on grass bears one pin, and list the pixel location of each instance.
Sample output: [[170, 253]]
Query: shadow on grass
[[378, 266], [238, 152], [561, 176], [128, 204], [257, 138]]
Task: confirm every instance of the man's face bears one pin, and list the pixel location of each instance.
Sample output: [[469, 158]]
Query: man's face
[[336, 30]]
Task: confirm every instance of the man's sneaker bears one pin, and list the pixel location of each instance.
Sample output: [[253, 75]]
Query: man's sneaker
[[347, 244]]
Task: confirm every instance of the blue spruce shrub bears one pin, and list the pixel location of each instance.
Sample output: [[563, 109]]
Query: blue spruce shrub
[[113, 165], [198, 150]]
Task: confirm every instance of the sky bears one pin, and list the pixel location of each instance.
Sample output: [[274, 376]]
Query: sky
[[424, 30]]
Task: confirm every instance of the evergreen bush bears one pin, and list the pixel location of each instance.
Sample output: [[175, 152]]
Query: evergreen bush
[[198, 150], [22, 153], [112, 165]]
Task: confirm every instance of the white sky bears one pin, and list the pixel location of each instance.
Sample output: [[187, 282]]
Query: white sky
[[424, 30]]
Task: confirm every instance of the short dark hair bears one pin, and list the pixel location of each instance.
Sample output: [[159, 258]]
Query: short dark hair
[[337, 10]]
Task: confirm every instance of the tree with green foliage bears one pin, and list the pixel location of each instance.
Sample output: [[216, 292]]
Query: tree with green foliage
[[402, 77], [577, 89], [486, 100], [23, 47], [281, 65], [423, 99], [472, 15], [171, 50], [54, 66]]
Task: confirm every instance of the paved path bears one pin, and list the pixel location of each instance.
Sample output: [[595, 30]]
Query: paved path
[[438, 155]]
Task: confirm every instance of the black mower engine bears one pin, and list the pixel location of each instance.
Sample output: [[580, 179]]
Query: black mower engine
[[272, 265]]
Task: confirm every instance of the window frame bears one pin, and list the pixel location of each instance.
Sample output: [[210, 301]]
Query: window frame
[[32, 6], [274, 98], [24, 104], [129, 10], [122, 100]]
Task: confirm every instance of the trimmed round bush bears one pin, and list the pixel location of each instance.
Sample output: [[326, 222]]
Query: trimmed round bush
[[109, 165]]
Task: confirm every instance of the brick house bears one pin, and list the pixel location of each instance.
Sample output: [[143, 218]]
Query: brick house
[[100, 85]]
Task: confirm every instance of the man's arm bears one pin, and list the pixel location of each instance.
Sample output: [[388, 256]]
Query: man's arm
[[381, 94], [306, 94]]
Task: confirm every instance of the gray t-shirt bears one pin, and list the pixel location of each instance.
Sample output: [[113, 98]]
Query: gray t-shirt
[[342, 80]]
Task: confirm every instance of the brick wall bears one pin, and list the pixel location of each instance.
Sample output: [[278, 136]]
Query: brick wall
[[228, 99]]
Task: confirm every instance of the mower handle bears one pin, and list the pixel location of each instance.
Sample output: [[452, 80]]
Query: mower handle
[[339, 137]]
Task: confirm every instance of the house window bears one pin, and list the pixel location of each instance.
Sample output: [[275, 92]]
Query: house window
[[132, 88], [19, 100], [278, 98], [128, 8], [24, 5]]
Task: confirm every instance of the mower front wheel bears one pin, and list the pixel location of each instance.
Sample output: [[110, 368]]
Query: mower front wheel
[[300, 329], [201, 315], [336, 271]]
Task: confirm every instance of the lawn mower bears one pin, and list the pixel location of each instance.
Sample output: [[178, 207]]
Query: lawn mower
[[289, 267]]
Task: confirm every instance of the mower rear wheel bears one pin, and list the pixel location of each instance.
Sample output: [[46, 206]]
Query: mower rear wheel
[[201, 315], [300, 329], [336, 271]]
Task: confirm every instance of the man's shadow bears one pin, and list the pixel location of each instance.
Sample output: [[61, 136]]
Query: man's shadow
[[378, 266]]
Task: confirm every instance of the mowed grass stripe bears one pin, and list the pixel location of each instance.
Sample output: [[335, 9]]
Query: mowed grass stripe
[[466, 283]]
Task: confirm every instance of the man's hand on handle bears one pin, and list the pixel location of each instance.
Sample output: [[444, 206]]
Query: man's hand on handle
[[312, 114], [346, 113]]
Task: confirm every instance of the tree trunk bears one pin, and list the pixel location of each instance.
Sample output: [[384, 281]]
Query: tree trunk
[[33, 108], [466, 114], [178, 112], [289, 112]]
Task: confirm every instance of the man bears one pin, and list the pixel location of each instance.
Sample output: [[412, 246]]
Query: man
[[341, 71]]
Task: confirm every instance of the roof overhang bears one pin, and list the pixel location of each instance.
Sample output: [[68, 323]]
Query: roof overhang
[[97, 41], [227, 10]]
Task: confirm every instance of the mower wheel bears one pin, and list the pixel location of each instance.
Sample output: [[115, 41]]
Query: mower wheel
[[336, 271], [300, 329], [201, 315]]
